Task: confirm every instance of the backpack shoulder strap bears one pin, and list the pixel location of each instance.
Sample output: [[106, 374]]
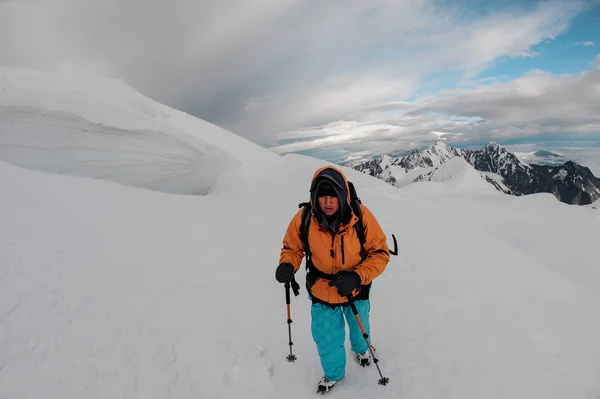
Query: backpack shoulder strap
[[304, 227], [355, 203], [312, 271]]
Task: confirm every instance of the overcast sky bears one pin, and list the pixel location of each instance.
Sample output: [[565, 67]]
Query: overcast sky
[[334, 78]]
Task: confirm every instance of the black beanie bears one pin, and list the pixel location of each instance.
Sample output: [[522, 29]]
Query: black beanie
[[326, 189]]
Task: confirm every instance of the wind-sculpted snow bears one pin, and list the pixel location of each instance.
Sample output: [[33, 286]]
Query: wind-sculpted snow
[[63, 143], [61, 122]]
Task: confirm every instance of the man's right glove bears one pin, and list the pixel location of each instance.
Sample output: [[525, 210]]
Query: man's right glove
[[284, 273], [346, 282]]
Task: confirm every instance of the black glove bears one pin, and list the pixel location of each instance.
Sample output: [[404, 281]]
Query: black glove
[[284, 273], [346, 282]]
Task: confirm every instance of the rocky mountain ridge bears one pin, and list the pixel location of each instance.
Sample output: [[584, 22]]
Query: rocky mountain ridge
[[570, 182]]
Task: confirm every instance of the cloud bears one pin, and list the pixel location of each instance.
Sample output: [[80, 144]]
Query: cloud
[[262, 68], [596, 62], [581, 152], [491, 79], [586, 44], [537, 105]]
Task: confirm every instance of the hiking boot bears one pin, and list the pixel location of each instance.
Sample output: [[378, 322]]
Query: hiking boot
[[325, 385], [364, 359]]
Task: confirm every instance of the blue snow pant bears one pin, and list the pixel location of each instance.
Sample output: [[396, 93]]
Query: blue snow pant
[[329, 333]]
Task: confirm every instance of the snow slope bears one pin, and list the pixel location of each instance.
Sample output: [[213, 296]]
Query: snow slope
[[65, 123], [108, 290], [458, 175]]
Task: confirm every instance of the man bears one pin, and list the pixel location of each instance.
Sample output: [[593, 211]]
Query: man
[[338, 268]]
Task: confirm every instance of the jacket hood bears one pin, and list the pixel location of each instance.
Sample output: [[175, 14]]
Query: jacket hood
[[339, 183]]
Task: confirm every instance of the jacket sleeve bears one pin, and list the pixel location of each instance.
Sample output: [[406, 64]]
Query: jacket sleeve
[[293, 249], [378, 253]]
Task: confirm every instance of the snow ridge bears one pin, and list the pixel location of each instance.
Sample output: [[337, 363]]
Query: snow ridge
[[65, 123]]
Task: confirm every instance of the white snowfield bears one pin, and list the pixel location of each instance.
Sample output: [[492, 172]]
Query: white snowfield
[[114, 291]]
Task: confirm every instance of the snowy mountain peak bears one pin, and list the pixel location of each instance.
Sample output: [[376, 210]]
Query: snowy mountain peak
[[496, 159], [434, 156], [439, 147], [494, 148]]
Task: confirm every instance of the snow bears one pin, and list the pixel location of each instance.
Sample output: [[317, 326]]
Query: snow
[[386, 162], [70, 124], [585, 156], [402, 177], [458, 175], [455, 170], [109, 290], [494, 176], [562, 174]]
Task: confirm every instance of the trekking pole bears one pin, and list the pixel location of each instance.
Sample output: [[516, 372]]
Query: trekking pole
[[383, 380], [291, 357]]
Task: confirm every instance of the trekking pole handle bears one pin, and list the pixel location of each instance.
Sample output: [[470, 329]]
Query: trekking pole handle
[[287, 293]]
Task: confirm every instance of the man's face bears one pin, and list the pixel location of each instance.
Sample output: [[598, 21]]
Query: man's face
[[328, 204]]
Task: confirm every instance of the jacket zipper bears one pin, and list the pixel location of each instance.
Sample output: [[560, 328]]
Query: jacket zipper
[[331, 251], [343, 257]]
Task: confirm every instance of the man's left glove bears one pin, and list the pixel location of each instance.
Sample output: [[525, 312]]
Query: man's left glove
[[346, 282]]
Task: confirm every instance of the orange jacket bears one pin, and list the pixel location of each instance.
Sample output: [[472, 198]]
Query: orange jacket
[[332, 253]]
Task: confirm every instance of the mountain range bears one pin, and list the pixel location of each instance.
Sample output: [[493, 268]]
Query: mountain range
[[569, 182]]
